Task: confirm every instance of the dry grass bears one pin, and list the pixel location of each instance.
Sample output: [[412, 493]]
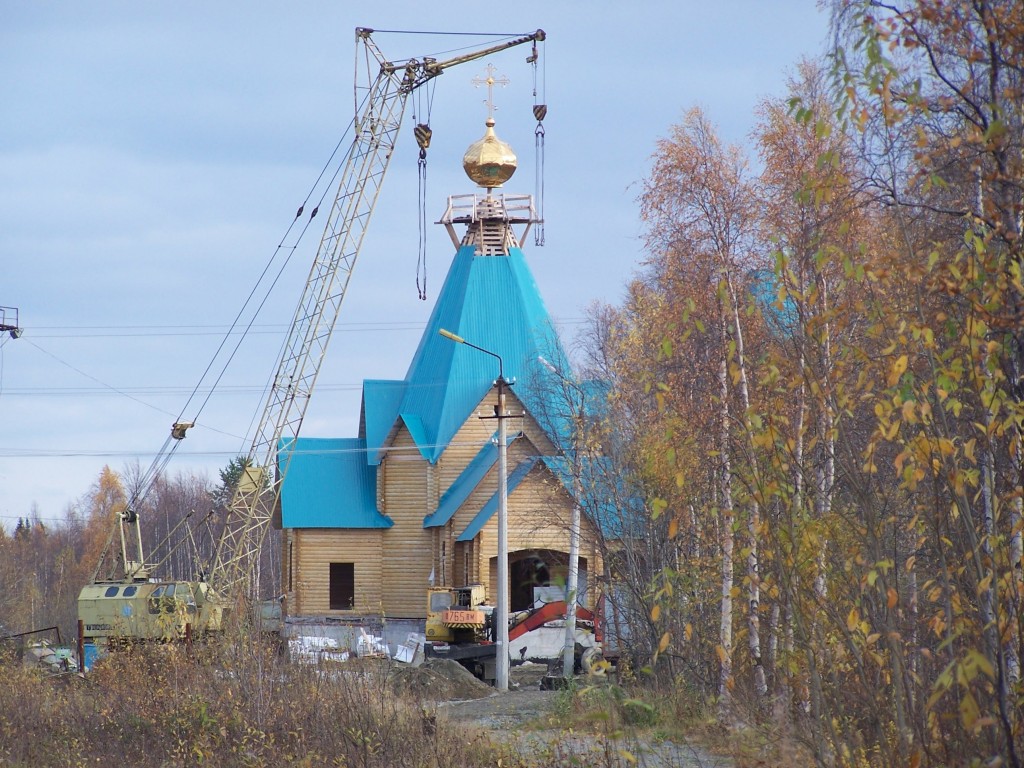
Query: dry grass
[[634, 712], [241, 704], [225, 705]]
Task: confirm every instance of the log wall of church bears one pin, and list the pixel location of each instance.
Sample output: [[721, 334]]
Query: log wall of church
[[408, 547], [312, 552]]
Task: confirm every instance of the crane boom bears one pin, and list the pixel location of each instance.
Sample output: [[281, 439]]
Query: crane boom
[[136, 605], [376, 131]]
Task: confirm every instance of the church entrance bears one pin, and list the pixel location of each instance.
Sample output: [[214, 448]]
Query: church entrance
[[540, 574]]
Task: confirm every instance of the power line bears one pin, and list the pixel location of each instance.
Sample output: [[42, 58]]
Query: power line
[[93, 378], [145, 331], [32, 519], [151, 331], [168, 390], [154, 391], [33, 453]]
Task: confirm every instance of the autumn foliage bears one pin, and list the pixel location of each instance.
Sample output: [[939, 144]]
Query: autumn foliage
[[822, 370]]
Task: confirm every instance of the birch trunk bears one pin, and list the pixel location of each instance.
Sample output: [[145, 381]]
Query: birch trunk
[[754, 516], [726, 513]]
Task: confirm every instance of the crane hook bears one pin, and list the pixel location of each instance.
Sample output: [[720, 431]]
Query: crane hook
[[423, 133]]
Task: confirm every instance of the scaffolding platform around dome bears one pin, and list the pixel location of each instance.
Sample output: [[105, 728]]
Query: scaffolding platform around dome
[[466, 209], [489, 218]]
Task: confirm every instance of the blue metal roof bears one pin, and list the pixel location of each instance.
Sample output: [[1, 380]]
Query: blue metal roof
[[487, 511], [417, 431], [466, 482], [602, 486], [492, 302], [782, 316], [381, 400], [320, 467], [463, 486]]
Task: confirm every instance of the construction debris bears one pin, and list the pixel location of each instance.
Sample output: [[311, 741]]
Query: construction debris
[[316, 650], [371, 646], [56, 659], [411, 651]]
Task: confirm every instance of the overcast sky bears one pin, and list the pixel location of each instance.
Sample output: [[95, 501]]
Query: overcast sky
[[153, 155]]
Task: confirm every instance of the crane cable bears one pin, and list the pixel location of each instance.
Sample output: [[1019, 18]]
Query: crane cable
[[170, 446], [290, 251], [540, 111], [423, 133], [323, 196]]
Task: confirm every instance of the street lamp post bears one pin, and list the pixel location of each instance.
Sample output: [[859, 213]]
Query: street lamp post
[[502, 602]]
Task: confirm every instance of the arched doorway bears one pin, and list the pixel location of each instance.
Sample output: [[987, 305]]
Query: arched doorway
[[541, 573]]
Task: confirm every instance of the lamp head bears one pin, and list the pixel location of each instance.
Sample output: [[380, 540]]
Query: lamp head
[[452, 336]]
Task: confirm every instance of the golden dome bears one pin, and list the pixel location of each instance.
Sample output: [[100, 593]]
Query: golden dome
[[489, 162]]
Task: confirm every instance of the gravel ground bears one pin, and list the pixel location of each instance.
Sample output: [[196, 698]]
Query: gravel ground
[[524, 719], [502, 711]]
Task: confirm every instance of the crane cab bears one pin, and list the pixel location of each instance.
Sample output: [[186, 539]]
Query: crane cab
[[145, 610]]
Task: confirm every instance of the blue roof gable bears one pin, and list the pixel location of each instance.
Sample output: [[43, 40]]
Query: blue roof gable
[[493, 302], [318, 468], [417, 431], [466, 482], [463, 486], [381, 401], [487, 511]]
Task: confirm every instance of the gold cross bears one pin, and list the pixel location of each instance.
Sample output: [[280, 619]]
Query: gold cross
[[490, 81]]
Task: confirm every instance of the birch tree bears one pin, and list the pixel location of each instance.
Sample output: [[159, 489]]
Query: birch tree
[[699, 206]]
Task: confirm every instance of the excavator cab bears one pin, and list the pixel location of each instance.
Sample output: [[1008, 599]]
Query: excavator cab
[[456, 614]]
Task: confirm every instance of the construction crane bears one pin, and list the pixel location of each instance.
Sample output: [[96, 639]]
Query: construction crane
[[200, 606]]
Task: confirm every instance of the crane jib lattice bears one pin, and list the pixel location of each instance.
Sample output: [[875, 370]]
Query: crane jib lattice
[[376, 131]]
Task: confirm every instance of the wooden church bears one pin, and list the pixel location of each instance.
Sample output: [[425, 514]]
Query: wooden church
[[369, 522]]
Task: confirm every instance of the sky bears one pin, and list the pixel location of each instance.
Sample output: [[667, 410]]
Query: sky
[[152, 156]]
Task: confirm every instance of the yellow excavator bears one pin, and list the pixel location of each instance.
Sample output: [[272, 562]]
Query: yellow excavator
[[460, 626]]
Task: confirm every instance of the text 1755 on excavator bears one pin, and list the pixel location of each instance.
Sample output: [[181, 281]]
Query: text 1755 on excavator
[[127, 602], [460, 627]]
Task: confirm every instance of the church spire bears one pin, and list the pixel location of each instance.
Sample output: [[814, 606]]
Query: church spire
[[490, 162]]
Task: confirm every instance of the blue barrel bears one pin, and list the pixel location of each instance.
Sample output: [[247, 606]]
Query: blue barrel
[[91, 653]]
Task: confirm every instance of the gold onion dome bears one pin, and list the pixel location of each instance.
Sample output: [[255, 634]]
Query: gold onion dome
[[489, 162]]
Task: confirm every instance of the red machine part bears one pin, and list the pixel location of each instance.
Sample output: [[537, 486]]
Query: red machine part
[[538, 617]]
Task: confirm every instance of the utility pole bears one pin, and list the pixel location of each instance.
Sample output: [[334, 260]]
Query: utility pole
[[502, 662], [572, 580]]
